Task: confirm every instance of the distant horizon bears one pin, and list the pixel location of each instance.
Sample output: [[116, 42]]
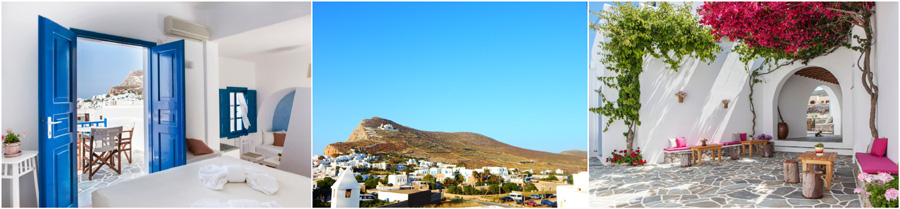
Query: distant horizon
[[510, 71]]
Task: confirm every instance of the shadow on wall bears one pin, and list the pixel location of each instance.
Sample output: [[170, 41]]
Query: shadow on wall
[[702, 114]]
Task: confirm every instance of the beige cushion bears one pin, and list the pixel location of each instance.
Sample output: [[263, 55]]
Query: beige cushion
[[672, 143], [267, 137]]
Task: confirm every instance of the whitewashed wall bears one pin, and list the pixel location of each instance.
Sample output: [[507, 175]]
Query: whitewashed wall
[[886, 49]]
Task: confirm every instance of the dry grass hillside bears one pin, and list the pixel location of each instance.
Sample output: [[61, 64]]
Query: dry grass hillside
[[475, 150]]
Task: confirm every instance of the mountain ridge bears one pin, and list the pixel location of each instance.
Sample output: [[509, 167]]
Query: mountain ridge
[[473, 149]]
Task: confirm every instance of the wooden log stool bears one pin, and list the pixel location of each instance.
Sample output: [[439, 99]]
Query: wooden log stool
[[735, 153], [791, 171], [768, 150], [813, 184], [686, 159]]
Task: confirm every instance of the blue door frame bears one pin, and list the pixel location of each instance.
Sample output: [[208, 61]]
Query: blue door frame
[[57, 72]]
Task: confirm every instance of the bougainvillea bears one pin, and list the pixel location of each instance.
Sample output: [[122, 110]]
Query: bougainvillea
[[790, 27], [782, 33], [663, 31]]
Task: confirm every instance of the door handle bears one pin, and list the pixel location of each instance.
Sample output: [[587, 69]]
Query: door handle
[[50, 124]]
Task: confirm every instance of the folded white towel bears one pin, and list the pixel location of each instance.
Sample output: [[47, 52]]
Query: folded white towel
[[214, 177], [239, 203], [261, 181]]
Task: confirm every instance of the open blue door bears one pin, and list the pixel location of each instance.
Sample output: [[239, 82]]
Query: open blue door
[[57, 180], [166, 88]]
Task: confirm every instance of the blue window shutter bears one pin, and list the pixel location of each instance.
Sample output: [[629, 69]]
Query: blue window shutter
[[223, 113], [251, 110]]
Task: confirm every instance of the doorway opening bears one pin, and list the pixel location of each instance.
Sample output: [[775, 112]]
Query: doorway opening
[[110, 94], [810, 102]]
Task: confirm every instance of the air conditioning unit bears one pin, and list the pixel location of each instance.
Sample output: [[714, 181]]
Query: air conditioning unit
[[183, 28]]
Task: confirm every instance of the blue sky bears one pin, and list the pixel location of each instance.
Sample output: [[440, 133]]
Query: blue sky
[[511, 71], [103, 65]]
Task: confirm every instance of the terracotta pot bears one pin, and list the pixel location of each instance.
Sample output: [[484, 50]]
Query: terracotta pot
[[782, 130], [726, 105], [11, 149], [680, 99], [704, 143]]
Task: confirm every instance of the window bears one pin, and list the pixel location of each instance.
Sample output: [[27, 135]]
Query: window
[[235, 122], [231, 115], [349, 191]]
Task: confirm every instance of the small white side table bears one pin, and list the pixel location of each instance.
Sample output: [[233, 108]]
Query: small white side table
[[16, 167]]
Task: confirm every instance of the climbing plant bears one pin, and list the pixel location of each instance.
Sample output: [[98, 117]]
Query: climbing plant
[[780, 34], [659, 30]]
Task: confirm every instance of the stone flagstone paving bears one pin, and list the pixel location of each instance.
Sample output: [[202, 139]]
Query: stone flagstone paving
[[106, 176], [748, 182]]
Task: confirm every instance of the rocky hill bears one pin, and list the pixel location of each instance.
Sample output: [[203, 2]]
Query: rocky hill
[[133, 83], [574, 152], [475, 150]]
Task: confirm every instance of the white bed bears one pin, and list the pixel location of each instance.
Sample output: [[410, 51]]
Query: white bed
[[180, 187]]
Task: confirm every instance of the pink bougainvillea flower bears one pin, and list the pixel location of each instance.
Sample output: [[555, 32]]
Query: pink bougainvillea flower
[[891, 194], [858, 190]]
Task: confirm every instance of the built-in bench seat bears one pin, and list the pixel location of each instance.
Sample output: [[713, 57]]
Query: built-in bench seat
[[872, 164], [670, 153], [191, 158]]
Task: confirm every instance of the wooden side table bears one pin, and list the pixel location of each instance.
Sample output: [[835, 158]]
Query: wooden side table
[[827, 159], [716, 148], [16, 167], [273, 162], [252, 157], [751, 143]]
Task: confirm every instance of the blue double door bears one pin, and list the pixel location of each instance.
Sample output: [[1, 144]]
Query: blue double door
[[57, 177]]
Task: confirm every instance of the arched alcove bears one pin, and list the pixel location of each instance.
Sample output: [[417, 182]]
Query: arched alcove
[[810, 101]]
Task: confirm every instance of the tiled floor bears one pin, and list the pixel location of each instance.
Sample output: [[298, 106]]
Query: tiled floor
[[748, 182], [107, 176]]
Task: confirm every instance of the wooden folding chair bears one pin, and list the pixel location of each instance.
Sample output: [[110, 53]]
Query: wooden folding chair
[[104, 149]]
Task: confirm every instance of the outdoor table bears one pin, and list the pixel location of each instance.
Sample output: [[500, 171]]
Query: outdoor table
[[827, 159], [716, 148], [751, 143]]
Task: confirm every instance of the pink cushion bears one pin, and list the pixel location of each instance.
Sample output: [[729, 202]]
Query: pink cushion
[[743, 136], [872, 165], [676, 149], [680, 142], [879, 146], [729, 143]]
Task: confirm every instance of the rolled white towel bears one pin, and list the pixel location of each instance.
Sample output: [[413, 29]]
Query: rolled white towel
[[213, 177], [236, 173], [239, 203], [261, 181]]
